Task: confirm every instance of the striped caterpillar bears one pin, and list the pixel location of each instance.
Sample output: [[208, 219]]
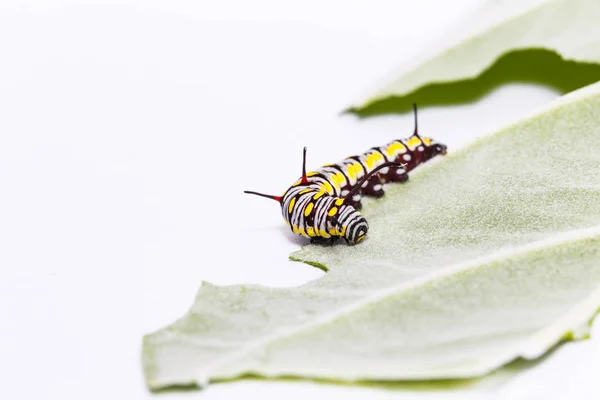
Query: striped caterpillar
[[323, 205]]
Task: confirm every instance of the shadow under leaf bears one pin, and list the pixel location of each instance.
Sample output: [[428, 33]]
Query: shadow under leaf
[[537, 66]]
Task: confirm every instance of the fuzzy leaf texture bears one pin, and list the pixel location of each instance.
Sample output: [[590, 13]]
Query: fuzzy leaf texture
[[489, 254], [555, 43]]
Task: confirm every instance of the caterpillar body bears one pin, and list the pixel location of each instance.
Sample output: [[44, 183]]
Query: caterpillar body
[[323, 204]]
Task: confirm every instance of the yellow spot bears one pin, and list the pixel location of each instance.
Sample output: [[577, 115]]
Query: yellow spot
[[343, 232], [352, 170], [323, 233], [312, 173], [332, 211], [297, 183], [295, 229], [308, 209], [372, 159], [338, 179], [339, 202], [292, 203], [360, 238], [311, 231], [328, 187], [427, 141], [332, 231], [395, 148], [319, 194], [305, 191], [413, 142], [302, 232]]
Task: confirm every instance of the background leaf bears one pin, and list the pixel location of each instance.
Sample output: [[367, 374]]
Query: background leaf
[[555, 43], [490, 254]]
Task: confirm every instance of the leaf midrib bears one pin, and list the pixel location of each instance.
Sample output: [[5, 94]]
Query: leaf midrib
[[381, 294]]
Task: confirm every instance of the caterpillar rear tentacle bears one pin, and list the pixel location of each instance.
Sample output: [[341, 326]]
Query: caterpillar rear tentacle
[[323, 205]]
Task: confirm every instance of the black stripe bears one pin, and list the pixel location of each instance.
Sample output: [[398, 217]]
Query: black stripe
[[360, 224], [351, 225]]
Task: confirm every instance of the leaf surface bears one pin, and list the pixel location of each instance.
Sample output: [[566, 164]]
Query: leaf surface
[[551, 42], [489, 254]]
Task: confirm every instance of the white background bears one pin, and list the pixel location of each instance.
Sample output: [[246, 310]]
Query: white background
[[128, 131]]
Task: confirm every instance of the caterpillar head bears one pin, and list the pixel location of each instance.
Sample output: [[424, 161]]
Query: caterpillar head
[[433, 148], [355, 229]]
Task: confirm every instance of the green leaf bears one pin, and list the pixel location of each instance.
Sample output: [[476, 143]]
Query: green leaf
[[550, 42], [487, 255]]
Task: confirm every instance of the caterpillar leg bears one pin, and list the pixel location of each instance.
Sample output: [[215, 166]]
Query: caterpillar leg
[[324, 241], [395, 174], [372, 187], [355, 203]]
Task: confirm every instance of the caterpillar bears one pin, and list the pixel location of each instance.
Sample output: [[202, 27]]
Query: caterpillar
[[323, 205]]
